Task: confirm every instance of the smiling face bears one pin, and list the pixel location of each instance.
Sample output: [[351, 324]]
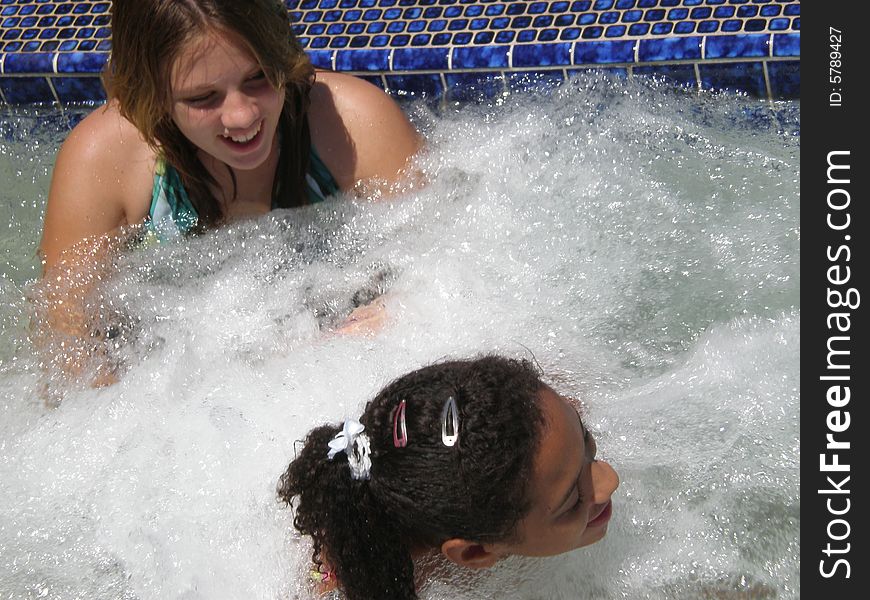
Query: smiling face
[[223, 103], [570, 490]]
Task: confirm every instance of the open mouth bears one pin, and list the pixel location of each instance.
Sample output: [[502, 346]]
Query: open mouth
[[245, 140]]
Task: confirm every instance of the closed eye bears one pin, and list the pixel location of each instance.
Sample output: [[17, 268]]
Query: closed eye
[[199, 101]]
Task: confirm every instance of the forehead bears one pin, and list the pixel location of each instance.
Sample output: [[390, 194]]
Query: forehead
[[209, 55], [560, 452]]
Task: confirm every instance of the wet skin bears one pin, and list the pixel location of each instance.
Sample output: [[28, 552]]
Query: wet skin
[[570, 489]]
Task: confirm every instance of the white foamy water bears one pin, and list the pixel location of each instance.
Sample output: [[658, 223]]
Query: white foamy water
[[642, 244]]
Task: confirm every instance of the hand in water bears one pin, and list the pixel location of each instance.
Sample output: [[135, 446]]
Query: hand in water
[[365, 319]]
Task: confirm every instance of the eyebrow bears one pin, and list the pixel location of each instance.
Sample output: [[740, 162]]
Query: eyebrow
[[570, 491], [201, 88]]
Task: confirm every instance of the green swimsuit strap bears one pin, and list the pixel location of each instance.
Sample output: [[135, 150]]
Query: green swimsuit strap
[[320, 181]]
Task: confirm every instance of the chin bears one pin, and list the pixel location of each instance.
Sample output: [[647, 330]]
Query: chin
[[594, 537]]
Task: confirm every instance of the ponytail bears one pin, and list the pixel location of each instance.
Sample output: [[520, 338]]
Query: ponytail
[[416, 495], [353, 535]]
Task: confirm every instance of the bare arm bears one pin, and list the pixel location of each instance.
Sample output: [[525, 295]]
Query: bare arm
[[100, 183]]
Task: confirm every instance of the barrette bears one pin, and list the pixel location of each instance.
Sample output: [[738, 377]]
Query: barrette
[[450, 422], [400, 431]]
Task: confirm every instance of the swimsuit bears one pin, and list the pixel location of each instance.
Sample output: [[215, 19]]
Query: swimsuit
[[172, 214]]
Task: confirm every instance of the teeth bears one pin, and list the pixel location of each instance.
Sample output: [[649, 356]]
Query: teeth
[[246, 138]]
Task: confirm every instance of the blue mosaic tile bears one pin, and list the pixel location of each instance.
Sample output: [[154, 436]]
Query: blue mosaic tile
[[755, 25], [538, 82], [737, 46], [321, 58], [541, 30], [462, 39], [604, 52], [620, 72], [415, 86], [683, 75], [422, 59], [26, 90], [542, 55], [665, 49], [785, 79], [708, 26], [474, 87], [527, 35], [549, 35], [684, 27], [778, 24], [79, 89], [441, 39], [744, 76], [28, 63], [480, 57], [786, 44], [362, 60]]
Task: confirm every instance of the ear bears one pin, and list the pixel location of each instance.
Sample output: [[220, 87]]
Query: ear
[[471, 555]]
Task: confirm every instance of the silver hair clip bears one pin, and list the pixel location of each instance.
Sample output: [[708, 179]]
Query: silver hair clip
[[400, 430], [450, 423]]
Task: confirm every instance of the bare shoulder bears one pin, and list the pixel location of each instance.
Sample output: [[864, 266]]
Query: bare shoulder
[[360, 129], [101, 180], [106, 139]]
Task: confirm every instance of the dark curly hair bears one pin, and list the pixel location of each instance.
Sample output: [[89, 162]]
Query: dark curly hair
[[425, 493]]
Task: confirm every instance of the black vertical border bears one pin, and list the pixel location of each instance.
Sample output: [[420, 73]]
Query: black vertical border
[[826, 128]]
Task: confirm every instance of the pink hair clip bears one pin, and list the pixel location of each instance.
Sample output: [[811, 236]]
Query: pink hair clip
[[400, 432]]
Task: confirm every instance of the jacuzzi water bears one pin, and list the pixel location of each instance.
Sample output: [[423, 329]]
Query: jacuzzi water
[[642, 244]]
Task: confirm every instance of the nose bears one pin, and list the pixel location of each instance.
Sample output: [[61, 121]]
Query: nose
[[240, 111], [604, 481]]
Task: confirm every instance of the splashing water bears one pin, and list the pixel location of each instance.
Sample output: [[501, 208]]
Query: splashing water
[[641, 243]]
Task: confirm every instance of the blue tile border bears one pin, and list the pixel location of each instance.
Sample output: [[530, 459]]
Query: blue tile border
[[53, 50], [737, 46]]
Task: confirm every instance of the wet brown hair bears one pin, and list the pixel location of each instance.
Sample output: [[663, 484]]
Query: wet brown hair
[[148, 36]]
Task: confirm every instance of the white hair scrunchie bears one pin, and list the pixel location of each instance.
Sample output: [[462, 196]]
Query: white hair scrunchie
[[352, 441]]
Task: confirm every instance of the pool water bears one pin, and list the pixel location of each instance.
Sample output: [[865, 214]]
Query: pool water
[[641, 243]]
